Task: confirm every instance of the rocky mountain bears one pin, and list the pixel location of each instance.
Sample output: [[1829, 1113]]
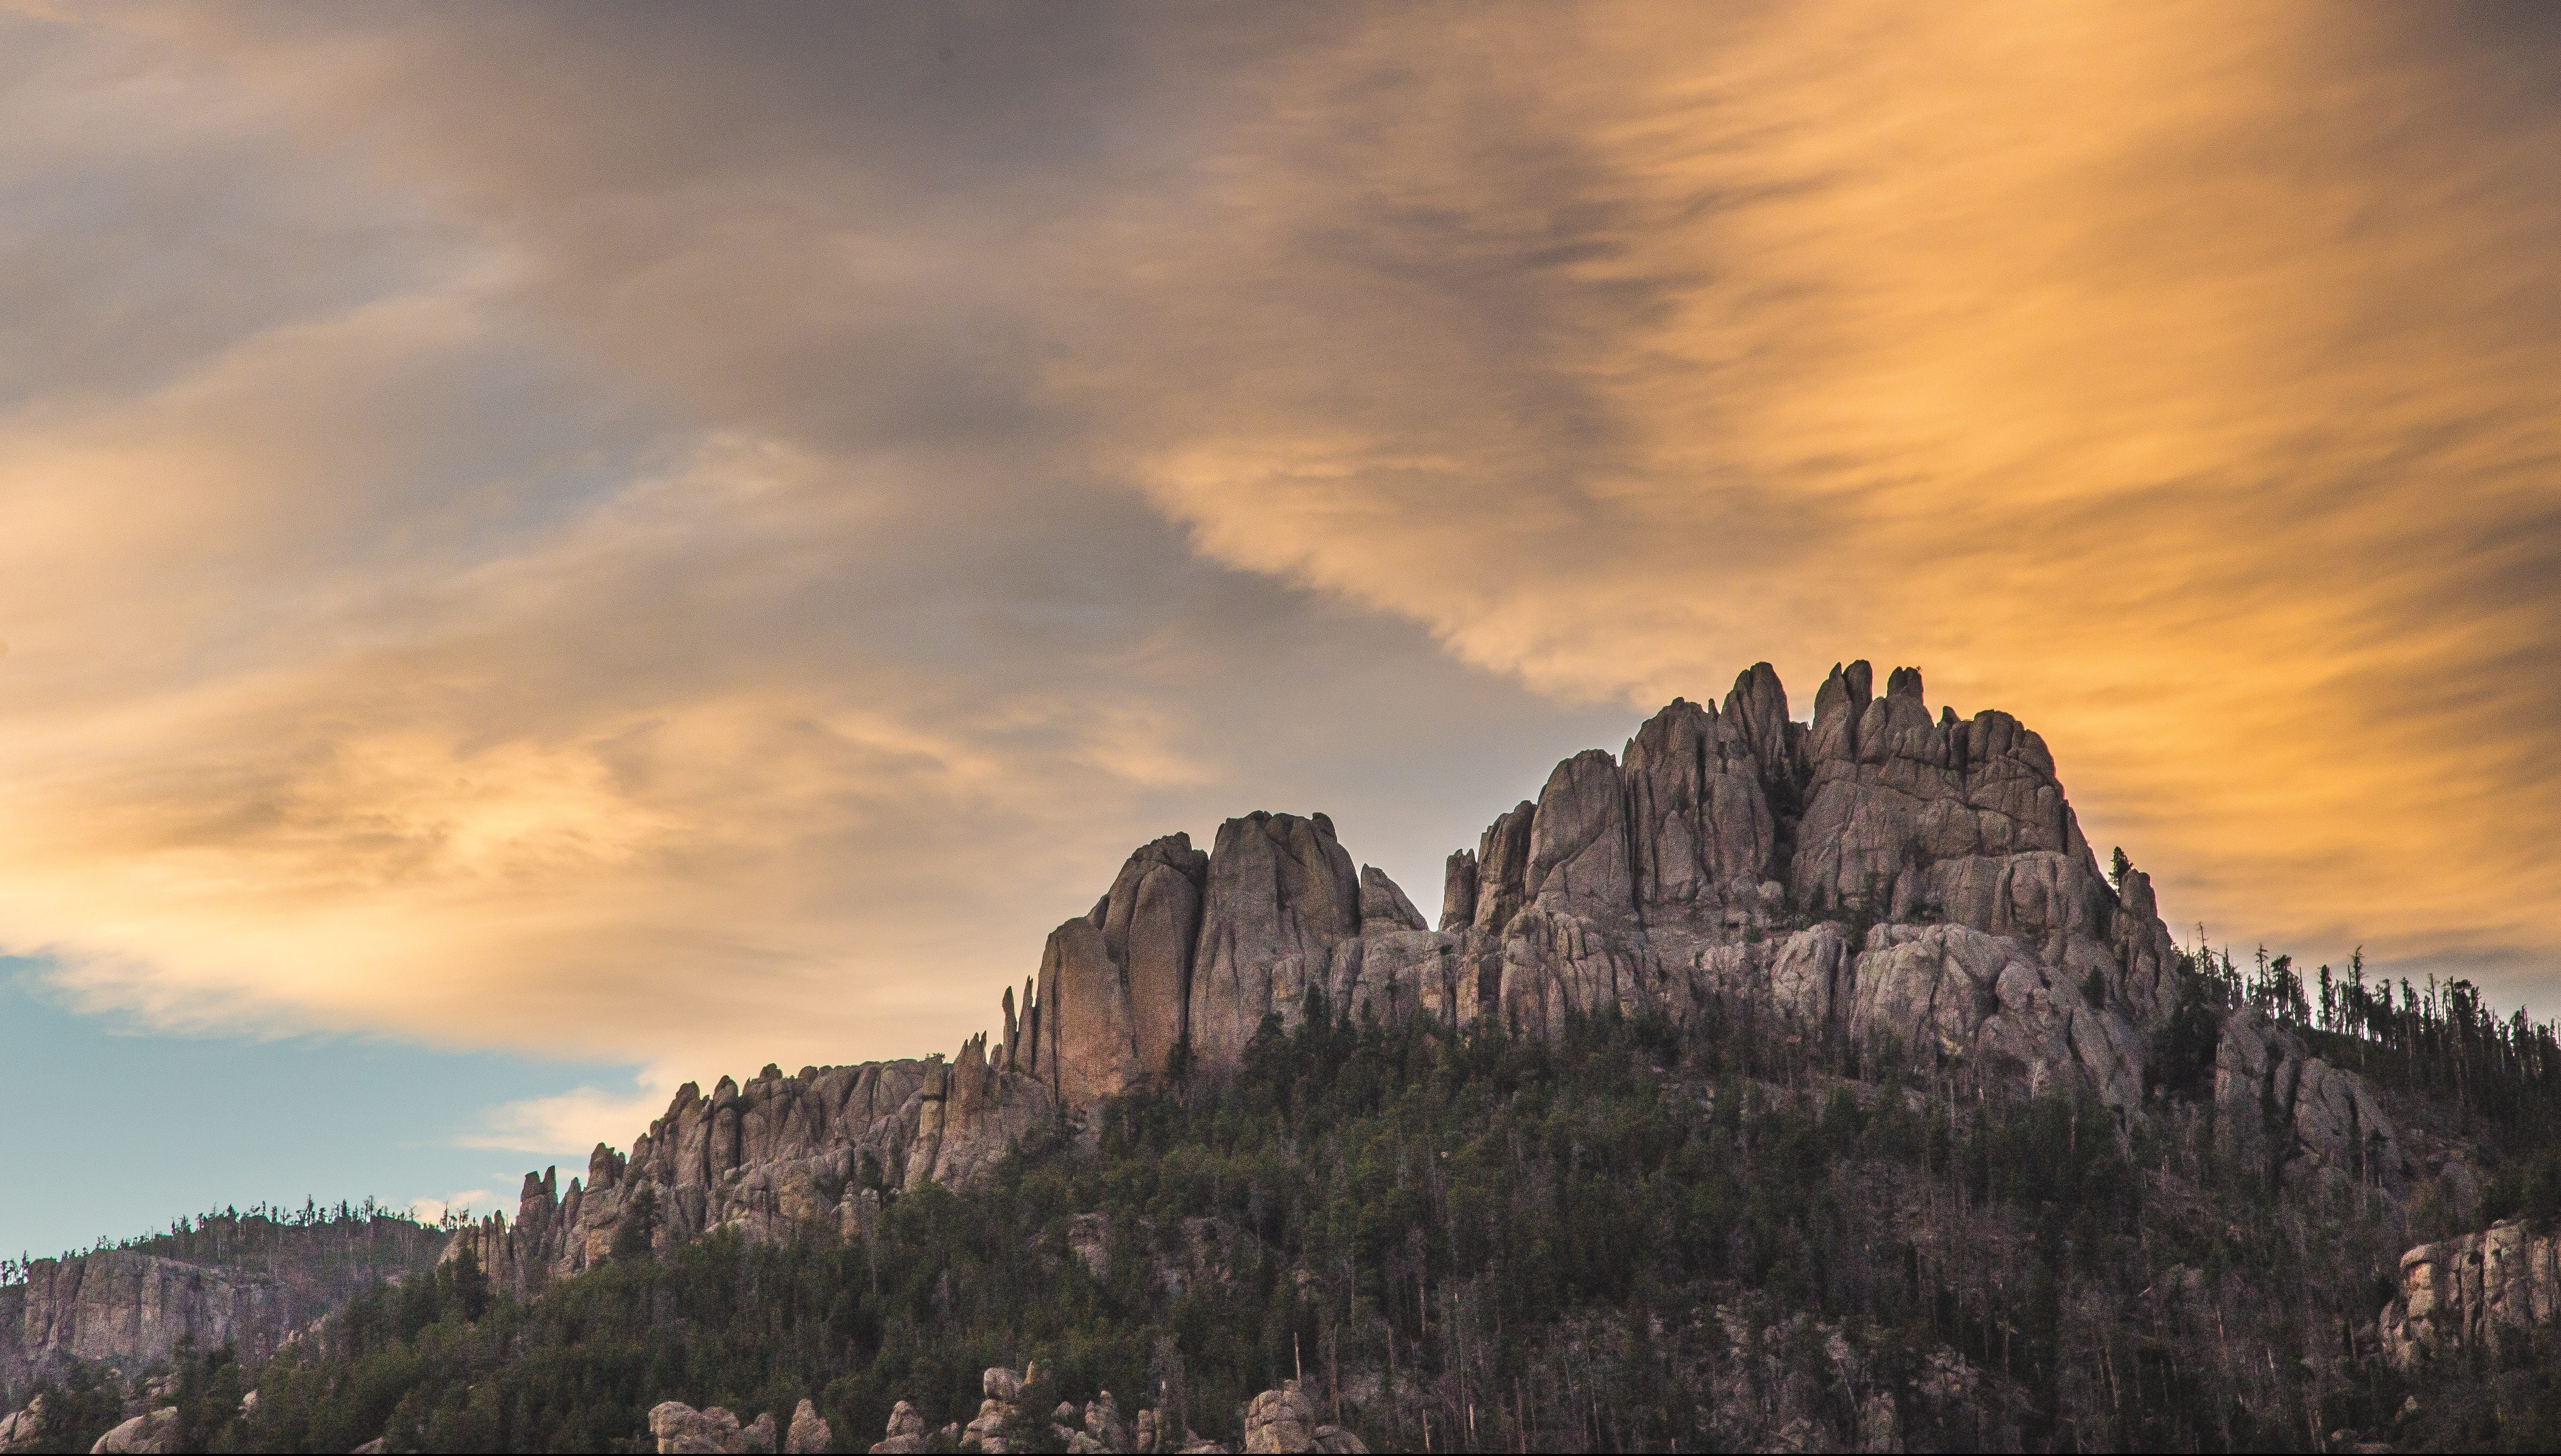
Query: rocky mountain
[[1763, 1085], [1879, 872]]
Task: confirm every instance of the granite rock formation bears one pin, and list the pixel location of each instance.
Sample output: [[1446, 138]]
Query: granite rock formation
[[2477, 1292], [150, 1432], [712, 1431], [23, 1430], [1285, 1420], [777, 1152], [1282, 1421], [808, 1433], [126, 1308], [1877, 874], [2288, 1111]]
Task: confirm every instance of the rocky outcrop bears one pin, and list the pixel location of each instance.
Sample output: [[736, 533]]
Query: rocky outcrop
[[23, 1430], [808, 1433], [1281, 899], [1384, 908], [1878, 874], [906, 1433], [152, 1432], [1458, 891], [1284, 1421], [128, 1308], [2481, 1291], [1088, 1039], [713, 1431], [1151, 924], [1502, 868], [2285, 1111], [761, 1158], [1276, 1420]]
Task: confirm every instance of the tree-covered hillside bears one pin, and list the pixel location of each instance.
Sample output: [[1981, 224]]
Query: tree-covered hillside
[[1728, 1235]]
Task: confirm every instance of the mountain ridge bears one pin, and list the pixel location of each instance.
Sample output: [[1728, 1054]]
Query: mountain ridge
[[1814, 1078], [1874, 871]]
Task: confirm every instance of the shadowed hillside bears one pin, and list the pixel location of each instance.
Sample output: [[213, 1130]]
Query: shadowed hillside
[[1767, 1085]]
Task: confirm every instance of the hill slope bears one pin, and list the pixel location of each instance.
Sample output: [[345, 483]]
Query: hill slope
[[1767, 1085]]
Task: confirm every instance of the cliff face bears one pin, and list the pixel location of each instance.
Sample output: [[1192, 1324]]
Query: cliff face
[[128, 1307], [2480, 1290], [1877, 874], [777, 1152]]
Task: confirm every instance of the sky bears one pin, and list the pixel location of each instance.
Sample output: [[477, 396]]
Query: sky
[[549, 553]]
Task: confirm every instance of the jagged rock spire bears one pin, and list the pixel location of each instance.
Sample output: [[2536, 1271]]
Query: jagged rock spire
[[1877, 870]]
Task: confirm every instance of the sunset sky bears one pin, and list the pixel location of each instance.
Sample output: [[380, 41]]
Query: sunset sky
[[548, 553]]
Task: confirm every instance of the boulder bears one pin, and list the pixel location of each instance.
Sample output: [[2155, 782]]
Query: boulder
[[1285, 1420], [713, 1431], [809, 1433], [23, 1430], [153, 1431], [906, 1433]]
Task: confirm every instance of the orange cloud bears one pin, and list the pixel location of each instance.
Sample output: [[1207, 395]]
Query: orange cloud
[[714, 582], [2177, 378]]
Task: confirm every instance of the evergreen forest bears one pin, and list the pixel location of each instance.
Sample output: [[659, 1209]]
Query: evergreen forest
[[1642, 1236]]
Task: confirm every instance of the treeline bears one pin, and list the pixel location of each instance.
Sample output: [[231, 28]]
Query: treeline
[[263, 1233], [1636, 1237], [2495, 1075], [1731, 1233]]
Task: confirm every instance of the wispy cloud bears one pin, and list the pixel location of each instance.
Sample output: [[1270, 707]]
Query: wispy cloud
[[713, 584], [571, 1123]]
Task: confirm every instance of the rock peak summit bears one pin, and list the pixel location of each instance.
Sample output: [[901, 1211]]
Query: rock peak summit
[[1875, 873]]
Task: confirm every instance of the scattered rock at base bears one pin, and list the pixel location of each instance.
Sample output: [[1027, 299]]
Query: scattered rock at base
[[809, 1433], [713, 1431], [906, 1433], [155, 1431], [1285, 1420], [19, 1430]]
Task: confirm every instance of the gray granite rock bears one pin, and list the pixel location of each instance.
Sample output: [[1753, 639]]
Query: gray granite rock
[[1281, 893], [2481, 1291], [1458, 891], [152, 1431], [1150, 925], [1384, 909], [808, 1434], [1879, 873]]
